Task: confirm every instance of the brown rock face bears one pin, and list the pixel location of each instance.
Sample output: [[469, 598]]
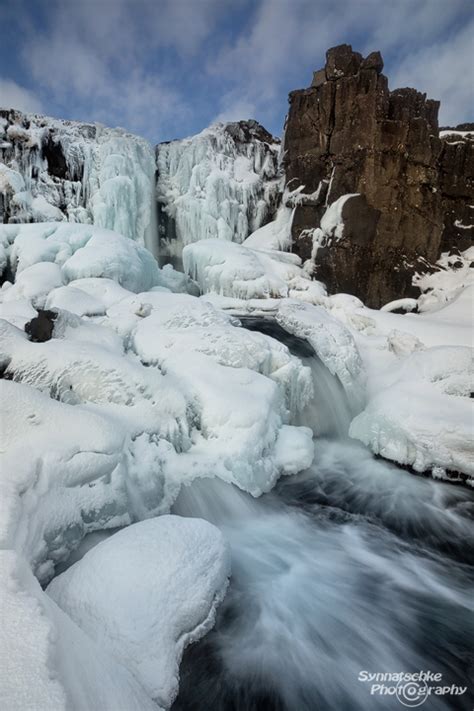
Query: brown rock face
[[350, 134], [456, 181]]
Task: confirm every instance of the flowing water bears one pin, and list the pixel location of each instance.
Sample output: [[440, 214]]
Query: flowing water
[[352, 566]]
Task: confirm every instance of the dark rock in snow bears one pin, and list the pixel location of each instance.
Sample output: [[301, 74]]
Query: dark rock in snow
[[40, 328], [53, 152]]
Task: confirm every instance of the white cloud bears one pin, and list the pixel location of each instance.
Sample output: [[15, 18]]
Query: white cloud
[[145, 64], [289, 34], [236, 108], [14, 96], [444, 71], [98, 57]]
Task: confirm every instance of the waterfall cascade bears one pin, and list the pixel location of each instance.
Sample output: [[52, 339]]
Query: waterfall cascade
[[349, 566]]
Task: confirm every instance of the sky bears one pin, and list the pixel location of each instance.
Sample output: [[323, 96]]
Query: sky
[[166, 69]]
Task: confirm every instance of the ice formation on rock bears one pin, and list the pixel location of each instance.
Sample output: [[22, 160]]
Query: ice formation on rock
[[147, 592], [240, 272], [223, 183], [52, 170]]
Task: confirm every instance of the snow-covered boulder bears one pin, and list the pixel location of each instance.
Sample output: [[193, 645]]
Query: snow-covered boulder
[[57, 170], [223, 182], [47, 662], [147, 592], [181, 325], [232, 270], [72, 481], [34, 283]]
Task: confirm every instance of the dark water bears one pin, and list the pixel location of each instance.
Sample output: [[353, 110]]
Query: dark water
[[353, 565]]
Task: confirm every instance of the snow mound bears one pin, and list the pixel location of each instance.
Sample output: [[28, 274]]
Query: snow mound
[[219, 364], [222, 183], [147, 592], [235, 271], [68, 171], [332, 342], [72, 481]]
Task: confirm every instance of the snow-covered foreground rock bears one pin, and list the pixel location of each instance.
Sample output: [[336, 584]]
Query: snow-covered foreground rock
[[128, 609], [47, 662], [223, 183], [65, 170], [146, 593], [126, 392]]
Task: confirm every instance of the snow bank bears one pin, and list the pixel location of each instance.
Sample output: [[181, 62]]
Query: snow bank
[[147, 592], [68, 171], [222, 183], [423, 415], [183, 325], [420, 375], [220, 364]]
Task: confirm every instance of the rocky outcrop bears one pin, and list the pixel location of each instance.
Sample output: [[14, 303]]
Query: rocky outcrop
[[456, 184], [348, 134]]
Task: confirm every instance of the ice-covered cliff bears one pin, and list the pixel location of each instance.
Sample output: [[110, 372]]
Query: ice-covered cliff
[[66, 170], [223, 182]]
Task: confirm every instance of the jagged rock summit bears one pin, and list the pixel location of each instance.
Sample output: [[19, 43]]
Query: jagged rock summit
[[408, 190]]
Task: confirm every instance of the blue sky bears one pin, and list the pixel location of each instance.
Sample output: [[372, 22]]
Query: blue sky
[[168, 68]]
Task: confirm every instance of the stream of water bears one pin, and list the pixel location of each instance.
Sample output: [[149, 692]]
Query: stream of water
[[352, 566]]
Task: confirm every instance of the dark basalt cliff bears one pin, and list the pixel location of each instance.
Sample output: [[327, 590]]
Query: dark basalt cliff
[[348, 133]]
